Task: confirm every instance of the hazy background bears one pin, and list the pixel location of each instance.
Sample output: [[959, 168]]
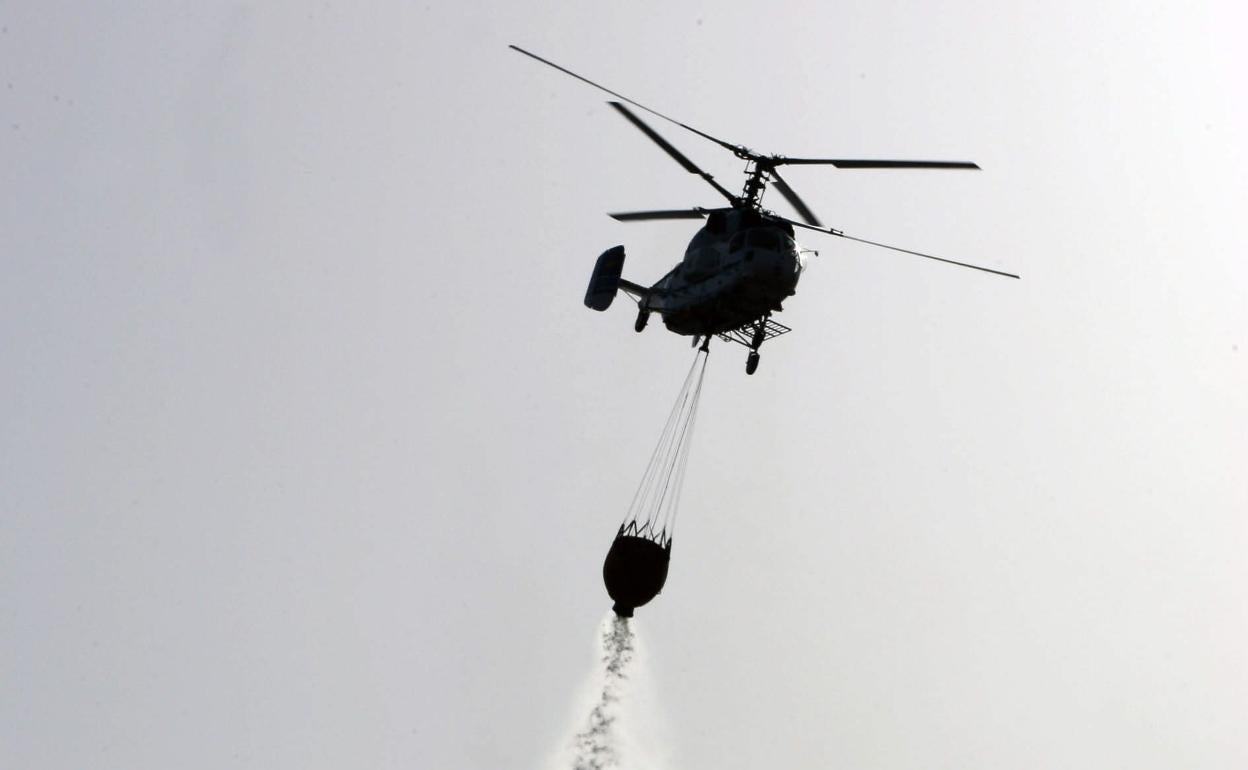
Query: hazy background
[[309, 452]]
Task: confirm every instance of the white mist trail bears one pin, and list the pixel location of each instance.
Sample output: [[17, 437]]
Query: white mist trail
[[597, 746], [604, 738]]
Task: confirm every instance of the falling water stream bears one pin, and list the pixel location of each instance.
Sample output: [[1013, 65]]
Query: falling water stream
[[618, 725], [596, 747]]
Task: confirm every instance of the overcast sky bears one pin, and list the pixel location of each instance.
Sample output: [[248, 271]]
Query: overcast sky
[[310, 453]]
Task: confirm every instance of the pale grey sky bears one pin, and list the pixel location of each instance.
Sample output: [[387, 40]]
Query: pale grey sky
[[309, 452]]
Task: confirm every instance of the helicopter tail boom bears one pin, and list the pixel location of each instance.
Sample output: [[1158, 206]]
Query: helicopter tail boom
[[636, 290]]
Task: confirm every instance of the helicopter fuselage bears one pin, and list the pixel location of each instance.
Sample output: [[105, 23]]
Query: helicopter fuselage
[[735, 271], [741, 266]]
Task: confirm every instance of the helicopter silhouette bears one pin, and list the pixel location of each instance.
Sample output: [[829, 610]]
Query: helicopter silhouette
[[745, 261]]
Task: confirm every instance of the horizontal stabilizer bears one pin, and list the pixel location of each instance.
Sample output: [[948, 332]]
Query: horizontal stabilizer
[[605, 280]]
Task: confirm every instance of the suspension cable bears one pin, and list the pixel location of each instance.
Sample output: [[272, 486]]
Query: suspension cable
[[649, 477], [652, 512]]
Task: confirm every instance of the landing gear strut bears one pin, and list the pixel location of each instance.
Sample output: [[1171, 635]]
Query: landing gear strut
[[760, 334], [756, 341], [752, 336], [643, 316]]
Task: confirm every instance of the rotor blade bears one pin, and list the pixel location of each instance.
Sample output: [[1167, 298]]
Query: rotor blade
[[730, 147], [845, 163], [639, 216], [667, 146], [797, 203], [839, 234], [676, 154]]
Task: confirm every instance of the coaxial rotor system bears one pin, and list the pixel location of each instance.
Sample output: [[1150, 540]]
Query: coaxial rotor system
[[761, 171]]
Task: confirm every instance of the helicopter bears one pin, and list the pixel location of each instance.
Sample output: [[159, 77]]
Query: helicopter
[[744, 262]]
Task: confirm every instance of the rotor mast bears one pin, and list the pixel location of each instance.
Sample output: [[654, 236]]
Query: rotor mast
[[755, 183]]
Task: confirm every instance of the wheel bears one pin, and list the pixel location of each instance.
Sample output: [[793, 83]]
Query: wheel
[[643, 316], [751, 362]]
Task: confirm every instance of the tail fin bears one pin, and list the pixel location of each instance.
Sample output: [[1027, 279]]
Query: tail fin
[[605, 280]]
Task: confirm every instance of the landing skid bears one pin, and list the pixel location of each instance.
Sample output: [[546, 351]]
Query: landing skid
[[752, 336]]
